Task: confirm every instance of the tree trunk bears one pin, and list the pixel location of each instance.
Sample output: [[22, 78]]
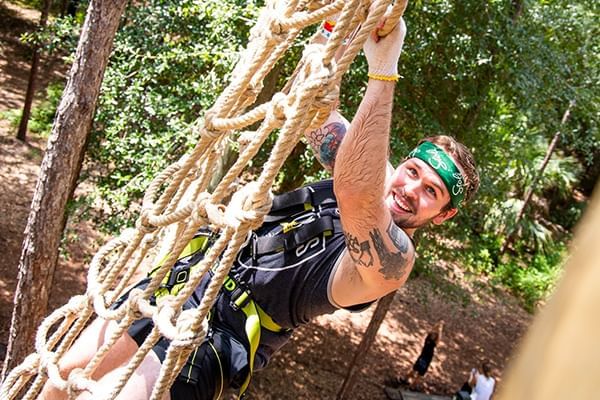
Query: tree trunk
[[58, 175], [22, 132], [383, 305], [529, 192]]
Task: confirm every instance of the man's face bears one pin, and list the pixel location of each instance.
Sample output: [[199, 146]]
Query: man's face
[[416, 195]]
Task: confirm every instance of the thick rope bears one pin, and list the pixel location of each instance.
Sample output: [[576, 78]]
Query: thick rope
[[177, 202]]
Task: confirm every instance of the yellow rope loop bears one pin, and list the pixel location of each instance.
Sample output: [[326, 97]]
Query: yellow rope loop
[[392, 15], [248, 206]]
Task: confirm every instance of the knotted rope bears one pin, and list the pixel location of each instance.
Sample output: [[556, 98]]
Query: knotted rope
[[178, 199]]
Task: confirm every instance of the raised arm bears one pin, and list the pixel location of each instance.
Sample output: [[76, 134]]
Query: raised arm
[[380, 254], [326, 140]]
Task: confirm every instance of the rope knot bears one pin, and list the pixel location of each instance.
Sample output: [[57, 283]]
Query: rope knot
[[327, 98], [136, 300], [186, 337], [209, 129], [253, 90], [248, 206], [143, 223], [279, 109], [205, 210], [78, 382]]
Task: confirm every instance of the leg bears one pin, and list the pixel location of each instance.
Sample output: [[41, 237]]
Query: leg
[[84, 348], [138, 387]]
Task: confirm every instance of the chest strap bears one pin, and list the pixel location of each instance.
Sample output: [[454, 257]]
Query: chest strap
[[302, 199], [295, 234]]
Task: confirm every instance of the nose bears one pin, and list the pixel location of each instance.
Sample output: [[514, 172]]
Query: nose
[[410, 190]]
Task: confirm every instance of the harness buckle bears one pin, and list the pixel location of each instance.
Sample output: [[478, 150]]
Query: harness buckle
[[240, 298]]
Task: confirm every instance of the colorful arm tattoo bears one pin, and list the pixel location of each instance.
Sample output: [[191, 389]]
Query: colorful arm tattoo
[[325, 142]]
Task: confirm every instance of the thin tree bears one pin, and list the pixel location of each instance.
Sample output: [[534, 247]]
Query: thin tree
[[540, 173], [31, 83], [59, 171], [383, 305]]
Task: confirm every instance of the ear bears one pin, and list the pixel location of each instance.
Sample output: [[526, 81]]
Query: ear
[[444, 216]]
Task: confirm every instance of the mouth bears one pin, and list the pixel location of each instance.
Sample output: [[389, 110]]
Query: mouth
[[401, 203]]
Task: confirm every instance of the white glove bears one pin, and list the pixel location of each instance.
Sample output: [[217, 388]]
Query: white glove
[[383, 53]]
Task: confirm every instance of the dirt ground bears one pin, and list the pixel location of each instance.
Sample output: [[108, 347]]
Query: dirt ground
[[480, 323]]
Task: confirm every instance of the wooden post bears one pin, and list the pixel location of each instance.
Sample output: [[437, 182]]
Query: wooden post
[[560, 356], [59, 172], [383, 305]]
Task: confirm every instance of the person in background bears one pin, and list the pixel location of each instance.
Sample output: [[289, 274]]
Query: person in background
[[482, 382], [420, 366]]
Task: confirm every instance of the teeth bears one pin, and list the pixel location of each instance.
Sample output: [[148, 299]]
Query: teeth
[[403, 206]]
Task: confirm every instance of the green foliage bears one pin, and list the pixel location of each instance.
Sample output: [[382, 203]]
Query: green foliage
[[497, 80], [42, 115], [60, 35], [534, 278], [170, 61]]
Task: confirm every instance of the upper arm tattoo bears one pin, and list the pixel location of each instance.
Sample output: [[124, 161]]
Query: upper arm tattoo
[[360, 252], [393, 264], [325, 142]]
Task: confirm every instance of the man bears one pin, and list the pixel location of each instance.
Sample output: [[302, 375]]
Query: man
[[312, 255]]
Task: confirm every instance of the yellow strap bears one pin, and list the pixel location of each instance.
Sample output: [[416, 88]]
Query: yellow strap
[[252, 328], [267, 322], [195, 245]]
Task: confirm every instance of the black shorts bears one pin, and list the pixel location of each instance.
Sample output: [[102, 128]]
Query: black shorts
[[219, 363], [421, 365]]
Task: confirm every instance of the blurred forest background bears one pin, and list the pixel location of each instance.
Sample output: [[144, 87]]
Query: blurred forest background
[[497, 75]]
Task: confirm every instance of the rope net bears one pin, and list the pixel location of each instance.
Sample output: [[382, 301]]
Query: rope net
[[178, 203]]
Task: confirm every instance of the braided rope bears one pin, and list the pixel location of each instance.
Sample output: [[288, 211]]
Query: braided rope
[[177, 202]]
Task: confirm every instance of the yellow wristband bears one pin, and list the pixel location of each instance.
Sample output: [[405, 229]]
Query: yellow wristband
[[387, 78]]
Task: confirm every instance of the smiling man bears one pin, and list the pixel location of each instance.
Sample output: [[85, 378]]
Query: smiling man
[[341, 243]]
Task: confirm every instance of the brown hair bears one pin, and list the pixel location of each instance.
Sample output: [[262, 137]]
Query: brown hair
[[487, 370], [463, 158]]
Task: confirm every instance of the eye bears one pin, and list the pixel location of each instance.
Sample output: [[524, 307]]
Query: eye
[[412, 171], [431, 191]]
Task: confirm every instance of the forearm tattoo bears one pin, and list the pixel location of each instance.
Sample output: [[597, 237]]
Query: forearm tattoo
[[325, 142], [360, 252]]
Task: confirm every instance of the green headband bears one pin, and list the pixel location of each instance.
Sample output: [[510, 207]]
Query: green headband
[[441, 162]]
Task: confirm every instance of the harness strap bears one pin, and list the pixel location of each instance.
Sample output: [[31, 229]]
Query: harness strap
[[301, 199], [294, 235]]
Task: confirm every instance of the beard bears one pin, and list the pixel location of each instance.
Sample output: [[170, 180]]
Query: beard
[[409, 222]]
